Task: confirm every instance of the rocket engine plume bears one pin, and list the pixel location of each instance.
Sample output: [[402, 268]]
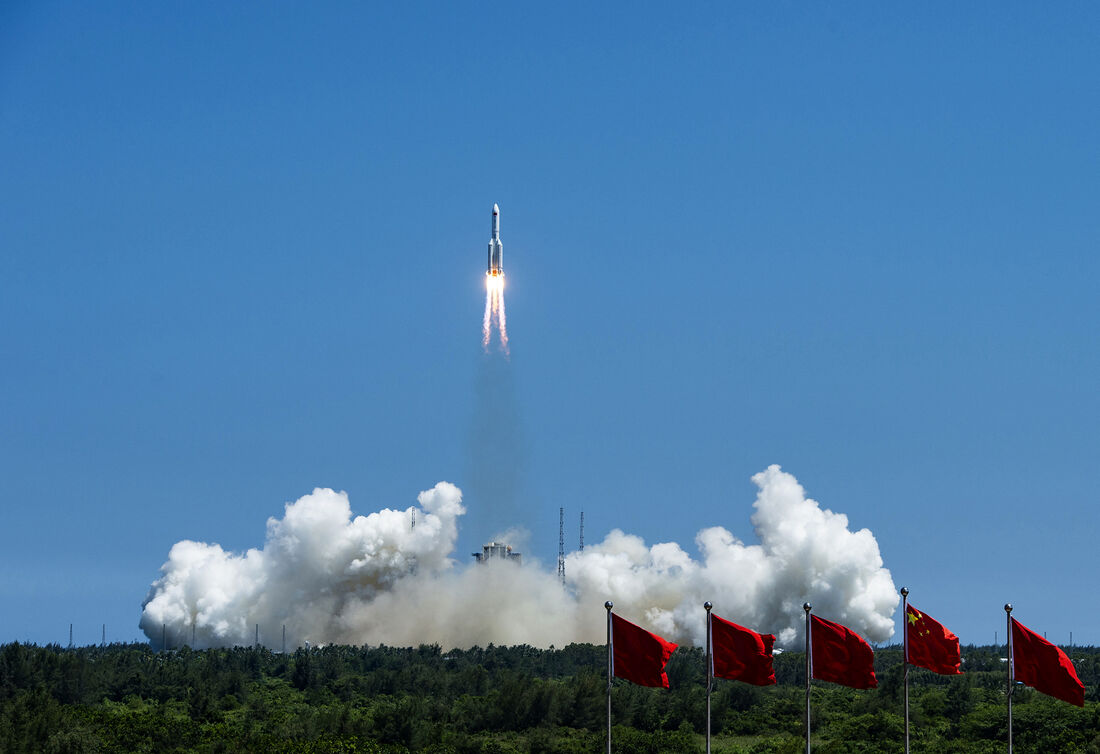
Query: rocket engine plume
[[494, 313], [388, 578]]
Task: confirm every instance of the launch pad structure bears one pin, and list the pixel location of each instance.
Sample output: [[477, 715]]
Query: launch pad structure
[[497, 551], [491, 551]]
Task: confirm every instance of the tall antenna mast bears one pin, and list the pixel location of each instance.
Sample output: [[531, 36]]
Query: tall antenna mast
[[582, 531], [561, 545]]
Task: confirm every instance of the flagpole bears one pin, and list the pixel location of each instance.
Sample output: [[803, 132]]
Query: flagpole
[[809, 671], [1011, 673], [710, 669], [610, 670], [905, 656]]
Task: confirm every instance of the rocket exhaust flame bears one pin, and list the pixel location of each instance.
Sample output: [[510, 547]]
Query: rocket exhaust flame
[[494, 313]]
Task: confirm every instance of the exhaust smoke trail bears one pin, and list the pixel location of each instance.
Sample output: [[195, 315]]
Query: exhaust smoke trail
[[502, 318], [497, 452], [380, 579]]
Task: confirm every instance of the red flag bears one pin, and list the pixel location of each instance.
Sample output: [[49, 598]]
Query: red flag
[[839, 655], [740, 654], [637, 655], [1043, 666], [931, 645]]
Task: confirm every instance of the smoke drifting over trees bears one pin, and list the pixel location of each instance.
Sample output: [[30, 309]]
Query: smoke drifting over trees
[[389, 578]]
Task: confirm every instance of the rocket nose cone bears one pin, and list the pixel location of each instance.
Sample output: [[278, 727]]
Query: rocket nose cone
[[496, 210]]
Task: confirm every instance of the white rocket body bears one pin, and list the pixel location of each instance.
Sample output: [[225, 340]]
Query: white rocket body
[[496, 248]]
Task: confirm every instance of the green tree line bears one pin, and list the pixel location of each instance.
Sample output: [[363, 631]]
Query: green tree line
[[388, 700]]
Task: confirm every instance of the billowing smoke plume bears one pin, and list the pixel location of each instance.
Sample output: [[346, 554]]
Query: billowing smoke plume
[[317, 565], [805, 554], [388, 578]]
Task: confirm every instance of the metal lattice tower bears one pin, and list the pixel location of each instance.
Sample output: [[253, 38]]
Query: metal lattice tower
[[561, 545], [582, 531]]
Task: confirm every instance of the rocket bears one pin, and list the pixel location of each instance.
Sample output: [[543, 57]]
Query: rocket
[[496, 248]]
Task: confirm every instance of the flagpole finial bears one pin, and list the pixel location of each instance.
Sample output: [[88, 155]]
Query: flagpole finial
[[905, 591], [609, 604], [1008, 607], [807, 606], [707, 606]]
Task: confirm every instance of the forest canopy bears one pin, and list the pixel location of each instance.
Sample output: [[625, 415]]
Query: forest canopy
[[127, 698]]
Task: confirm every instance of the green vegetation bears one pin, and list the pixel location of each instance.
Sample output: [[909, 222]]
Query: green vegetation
[[384, 700]]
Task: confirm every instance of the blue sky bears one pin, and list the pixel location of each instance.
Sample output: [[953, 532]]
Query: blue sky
[[242, 249]]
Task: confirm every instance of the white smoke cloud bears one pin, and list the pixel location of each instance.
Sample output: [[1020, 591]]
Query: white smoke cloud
[[806, 554], [317, 563], [388, 578]]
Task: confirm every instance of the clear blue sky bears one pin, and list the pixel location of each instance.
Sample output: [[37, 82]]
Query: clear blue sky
[[242, 252]]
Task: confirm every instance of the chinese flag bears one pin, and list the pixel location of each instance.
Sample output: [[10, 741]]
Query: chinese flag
[[1043, 666], [838, 654], [740, 654], [637, 655], [930, 644]]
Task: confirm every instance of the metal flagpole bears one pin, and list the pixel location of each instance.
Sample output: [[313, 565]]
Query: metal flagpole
[[710, 669], [1011, 673], [610, 670], [809, 671], [905, 656]]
